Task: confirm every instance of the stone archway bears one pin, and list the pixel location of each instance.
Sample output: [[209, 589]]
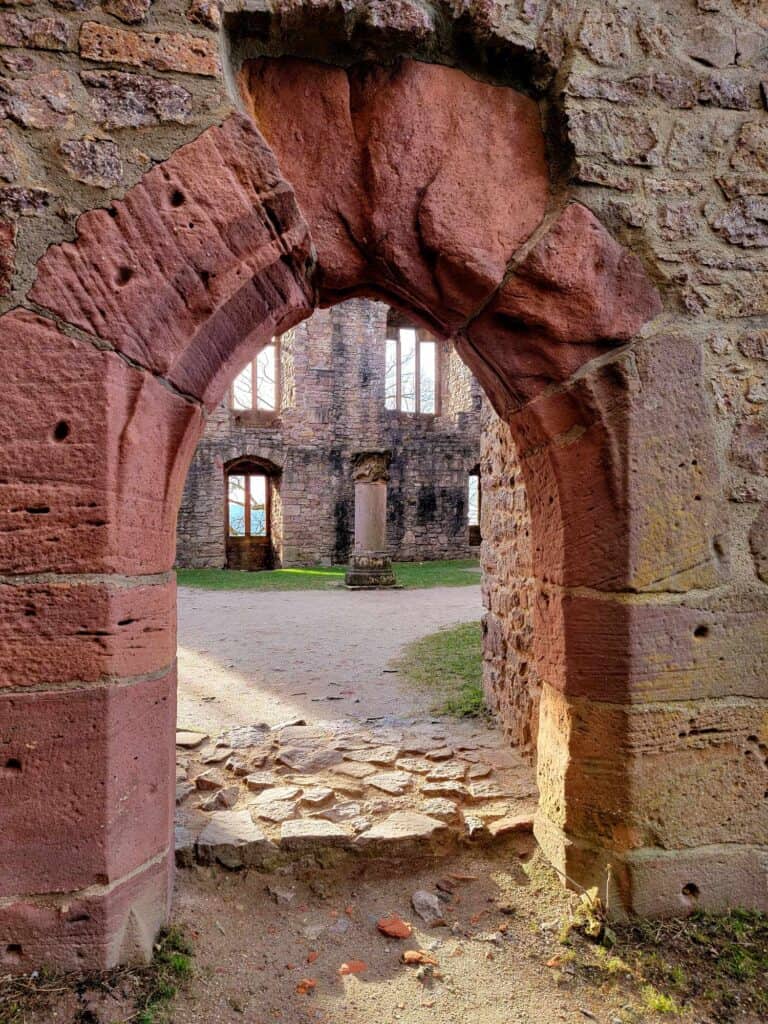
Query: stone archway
[[105, 399]]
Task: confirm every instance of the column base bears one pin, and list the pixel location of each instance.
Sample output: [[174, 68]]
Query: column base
[[370, 570]]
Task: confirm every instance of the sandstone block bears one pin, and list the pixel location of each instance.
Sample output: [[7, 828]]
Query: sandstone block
[[88, 763], [406, 181], [751, 150], [122, 100], [223, 276], [55, 633], [90, 931], [233, 840], [42, 101], [307, 834], [78, 454], [130, 11], [35, 33], [93, 161], [166, 51]]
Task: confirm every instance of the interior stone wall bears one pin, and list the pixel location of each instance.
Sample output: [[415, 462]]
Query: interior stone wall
[[332, 406]]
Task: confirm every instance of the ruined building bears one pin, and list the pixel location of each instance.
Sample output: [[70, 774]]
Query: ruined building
[[573, 194], [355, 377]]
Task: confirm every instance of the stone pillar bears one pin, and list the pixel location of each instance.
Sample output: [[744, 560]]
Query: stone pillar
[[370, 565]]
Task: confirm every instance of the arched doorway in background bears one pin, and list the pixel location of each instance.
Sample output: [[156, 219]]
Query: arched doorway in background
[[250, 486]]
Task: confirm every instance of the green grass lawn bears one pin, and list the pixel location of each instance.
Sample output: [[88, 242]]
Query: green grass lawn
[[413, 575], [450, 664]]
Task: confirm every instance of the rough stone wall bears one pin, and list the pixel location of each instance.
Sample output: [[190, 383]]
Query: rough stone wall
[[333, 405], [510, 675]]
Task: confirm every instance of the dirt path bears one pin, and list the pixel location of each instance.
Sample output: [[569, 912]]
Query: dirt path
[[255, 656]]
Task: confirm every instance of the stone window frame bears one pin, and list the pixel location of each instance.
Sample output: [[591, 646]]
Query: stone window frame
[[254, 415], [395, 322], [248, 467]]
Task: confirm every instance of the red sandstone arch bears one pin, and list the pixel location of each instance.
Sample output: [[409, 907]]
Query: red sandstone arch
[[443, 208]]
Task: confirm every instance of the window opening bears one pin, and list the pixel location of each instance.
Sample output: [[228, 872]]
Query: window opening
[[257, 386], [248, 506], [410, 382]]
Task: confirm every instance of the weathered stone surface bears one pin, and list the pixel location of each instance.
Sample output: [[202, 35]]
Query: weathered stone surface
[[189, 740], [743, 222], [373, 755], [758, 543], [275, 810], [623, 137], [9, 156], [223, 280], [576, 292], [307, 834], [308, 759], [233, 840], [42, 101], [442, 809], [205, 12], [56, 633], [402, 827], [257, 782], [751, 149], [208, 781], [428, 907], [23, 202], [391, 782], [130, 11], [123, 100], [36, 33], [93, 161], [245, 737], [166, 51], [81, 453], [7, 256], [513, 824], [409, 183], [49, 745]]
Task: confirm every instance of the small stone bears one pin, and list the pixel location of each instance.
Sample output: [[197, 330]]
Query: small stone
[[308, 759], [34, 33], [184, 846], [246, 736], [224, 799], [190, 740], [217, 756], [414, 764], [9, 156], [122, 100], [277, 811], [394, 927], [395, 783], [454, 790], [281, 896], [257, 782], [475, 827], [317, 796], [454, 771], [486, 791], [479, 771], [373, 755], [208, 781], [129, 11], [440, 753], [403, 826], [353, 769], [24, 202], [42, 101], [342, 812], [511, 825], [238, 766], [277, 794], [205, 12], [93, 161], [428, 907], [443, 810], [306, 833], [183, 790], [232, 839]]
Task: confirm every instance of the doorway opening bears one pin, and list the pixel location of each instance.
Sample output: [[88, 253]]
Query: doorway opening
[[251, 487]]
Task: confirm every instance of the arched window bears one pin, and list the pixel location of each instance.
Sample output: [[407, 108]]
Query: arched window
[[257, 386], [411, 382]]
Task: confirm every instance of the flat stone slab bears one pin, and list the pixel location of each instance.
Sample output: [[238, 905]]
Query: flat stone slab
[[307, 759], [275, 810], [306, 834], [232, 839], [394, 783], [373, 755], [513, 824], [402, 826], [242, 737], [190, 740], [353, 769], [276, 794]]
